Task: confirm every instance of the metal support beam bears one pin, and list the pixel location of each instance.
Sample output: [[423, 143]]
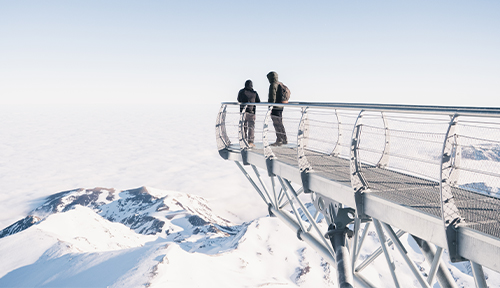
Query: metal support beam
[[295, 211], [286, 185], [363, 237], [281, 195], [250, 180], [354, 250], [274, 191], [434, 266], [477, 272], [311, 225], [317, 245], [404, 253], [286, 202], [385, 248], [308, 238], [375, 254], [430, 253], [256, 171]]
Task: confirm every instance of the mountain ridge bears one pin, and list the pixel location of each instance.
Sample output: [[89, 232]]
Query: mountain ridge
[[136, 208], [144, 237], [101, 237]]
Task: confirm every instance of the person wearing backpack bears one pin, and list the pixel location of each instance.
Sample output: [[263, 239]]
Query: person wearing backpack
[[248, 95], [278, 93]]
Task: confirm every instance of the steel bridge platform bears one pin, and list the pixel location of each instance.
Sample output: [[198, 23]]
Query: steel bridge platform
[[462, 217]]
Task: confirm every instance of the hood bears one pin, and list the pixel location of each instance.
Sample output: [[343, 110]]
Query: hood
[[249, 85], [272, 77]]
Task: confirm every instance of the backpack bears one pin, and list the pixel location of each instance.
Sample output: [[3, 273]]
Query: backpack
[[284, 91]]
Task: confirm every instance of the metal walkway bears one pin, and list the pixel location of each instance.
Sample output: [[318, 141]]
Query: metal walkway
[[432, 172]]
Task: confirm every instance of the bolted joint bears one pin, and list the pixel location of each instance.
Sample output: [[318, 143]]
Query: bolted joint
[[244, 156], [269, 166], [359, 198], [332, 231], [305, 176]]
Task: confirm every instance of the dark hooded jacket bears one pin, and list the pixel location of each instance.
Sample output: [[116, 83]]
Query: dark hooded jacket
[[274, 96], [248, 95]]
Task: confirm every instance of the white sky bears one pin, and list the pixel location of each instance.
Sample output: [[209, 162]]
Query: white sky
[[416, 52]]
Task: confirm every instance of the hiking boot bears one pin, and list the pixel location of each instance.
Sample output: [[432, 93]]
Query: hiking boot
[[251, 145], [285, 142], [277, 143]]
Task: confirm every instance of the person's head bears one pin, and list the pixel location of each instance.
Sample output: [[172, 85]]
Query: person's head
[[249, 84], [272, 77]]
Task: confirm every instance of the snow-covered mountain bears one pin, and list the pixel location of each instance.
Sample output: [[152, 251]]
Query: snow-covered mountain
[[482, 152], [146, 237], [137, 209]]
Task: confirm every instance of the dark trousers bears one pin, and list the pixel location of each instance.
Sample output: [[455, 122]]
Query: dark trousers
[[277, 117], [249, 127]]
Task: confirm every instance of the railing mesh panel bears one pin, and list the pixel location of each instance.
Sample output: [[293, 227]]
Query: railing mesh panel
[[411, 171], [232, 121], [328, 142], [347, 121], [478, 168], [323, 131]]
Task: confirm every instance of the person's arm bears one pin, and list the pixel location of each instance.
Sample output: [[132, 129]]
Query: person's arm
[[256, 100], [273, 89], [240, 96]]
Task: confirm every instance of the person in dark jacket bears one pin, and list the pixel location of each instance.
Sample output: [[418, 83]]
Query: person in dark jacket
[[277, 111], [248, 95]]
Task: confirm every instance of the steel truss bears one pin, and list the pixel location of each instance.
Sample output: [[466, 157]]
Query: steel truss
[[348, 225], [283, 198]]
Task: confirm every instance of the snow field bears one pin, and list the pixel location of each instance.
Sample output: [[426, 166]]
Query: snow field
[[43, 151]]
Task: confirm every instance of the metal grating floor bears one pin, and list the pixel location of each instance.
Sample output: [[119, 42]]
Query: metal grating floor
[[480, 212]]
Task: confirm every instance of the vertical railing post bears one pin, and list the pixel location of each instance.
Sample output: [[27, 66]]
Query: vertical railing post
[[449, 173], [268, 152], [242, 136], [384, 159], [302, 136], [241, 129], [358, 182], [338, 145], [220, 133]]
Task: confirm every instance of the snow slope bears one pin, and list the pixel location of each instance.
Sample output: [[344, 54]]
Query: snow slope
[[94, 243], [148, 237]]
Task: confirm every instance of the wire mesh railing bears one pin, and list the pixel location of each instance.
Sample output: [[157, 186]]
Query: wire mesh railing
[[443, 161], [475, 180]]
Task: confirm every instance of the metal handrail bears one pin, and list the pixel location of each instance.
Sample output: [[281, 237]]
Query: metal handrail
[[419, 109]]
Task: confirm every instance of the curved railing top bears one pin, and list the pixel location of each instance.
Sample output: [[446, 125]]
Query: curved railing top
[[418, 109]]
